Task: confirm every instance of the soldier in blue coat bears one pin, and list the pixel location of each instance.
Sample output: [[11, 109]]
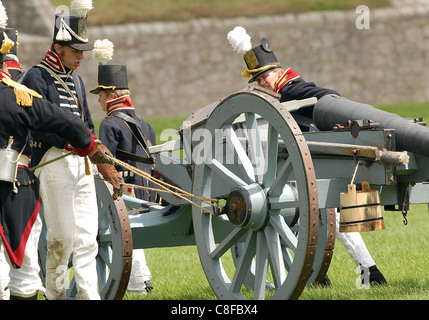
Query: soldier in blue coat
[[127, 135], [70, 205], [263, 68], [23, 110]]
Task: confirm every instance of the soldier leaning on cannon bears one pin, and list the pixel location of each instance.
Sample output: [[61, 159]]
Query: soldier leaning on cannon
[[22, 110], [70, 208], [263, 67]]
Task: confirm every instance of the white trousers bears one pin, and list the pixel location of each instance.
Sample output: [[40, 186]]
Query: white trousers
[[25, 281], [354, 245], [71, 217], [140, 272]]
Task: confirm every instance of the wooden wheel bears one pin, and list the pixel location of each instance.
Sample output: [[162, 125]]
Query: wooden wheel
[[271, 199], [325, 246], [115, 247]]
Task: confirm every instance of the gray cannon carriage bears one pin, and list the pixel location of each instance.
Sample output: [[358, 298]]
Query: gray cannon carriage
[[262, 193]]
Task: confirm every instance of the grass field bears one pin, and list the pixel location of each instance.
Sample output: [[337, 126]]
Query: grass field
[[399, 251], [127, 11]]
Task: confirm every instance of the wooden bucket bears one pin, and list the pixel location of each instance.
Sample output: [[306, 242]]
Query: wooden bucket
[[360, 210]]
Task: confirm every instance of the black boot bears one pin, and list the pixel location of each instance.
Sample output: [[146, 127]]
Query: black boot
[[324, 283]]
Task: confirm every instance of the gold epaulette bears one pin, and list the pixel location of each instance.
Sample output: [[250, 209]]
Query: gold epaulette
[[24, 96]]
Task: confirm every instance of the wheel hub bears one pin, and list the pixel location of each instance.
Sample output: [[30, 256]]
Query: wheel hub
[[247, 206]]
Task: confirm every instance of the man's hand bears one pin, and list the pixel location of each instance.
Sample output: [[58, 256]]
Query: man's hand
[[110, 174], [100, 155]]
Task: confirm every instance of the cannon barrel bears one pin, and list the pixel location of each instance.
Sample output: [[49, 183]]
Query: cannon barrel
[[331, 110]]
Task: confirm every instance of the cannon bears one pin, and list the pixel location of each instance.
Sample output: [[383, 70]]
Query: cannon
[[244, 182]]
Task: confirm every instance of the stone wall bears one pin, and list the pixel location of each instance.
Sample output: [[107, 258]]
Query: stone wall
[[177, 67]]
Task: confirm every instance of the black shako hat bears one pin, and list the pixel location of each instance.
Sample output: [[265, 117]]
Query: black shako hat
[[71, 30], [13, 35], [111, 77], [260, 59], [6, 44]]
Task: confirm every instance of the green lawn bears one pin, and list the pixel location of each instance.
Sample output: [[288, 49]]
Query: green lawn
[[400, 253]]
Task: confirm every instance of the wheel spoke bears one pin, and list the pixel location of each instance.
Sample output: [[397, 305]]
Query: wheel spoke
[[255, 146], [225, 174], [287, 258], [284, 231], [105, 256], [272, 156], [277, 261], [261, 265], [227, 243], [279, 182], [277, 204], [245, 262], [243, 162]]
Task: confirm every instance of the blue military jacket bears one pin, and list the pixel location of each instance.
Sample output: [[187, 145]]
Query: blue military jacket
[[41, 81], [292, 87], [119, 137]]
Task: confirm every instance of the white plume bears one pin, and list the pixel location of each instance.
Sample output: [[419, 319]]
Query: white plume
[[103, 51], [3, 16], [81, 7], [239, 40]]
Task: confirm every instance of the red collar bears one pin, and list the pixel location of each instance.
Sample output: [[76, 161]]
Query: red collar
[[4, 74], [120, 103], [289, 75], [13, 65], [55, 62]]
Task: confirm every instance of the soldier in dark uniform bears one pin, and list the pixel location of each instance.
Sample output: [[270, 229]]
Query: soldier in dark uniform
[[14, 69], [127, 135], [263, 67], [23, 110]]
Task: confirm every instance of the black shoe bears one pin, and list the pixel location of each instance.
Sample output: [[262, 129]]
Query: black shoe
[[326, 282], [376, 277], [372, 275], [149, 286]]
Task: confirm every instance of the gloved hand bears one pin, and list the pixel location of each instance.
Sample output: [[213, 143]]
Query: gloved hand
[[99, 155], [110, 174]]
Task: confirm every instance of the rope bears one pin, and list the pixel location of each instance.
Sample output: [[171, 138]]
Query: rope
[[180, 193]]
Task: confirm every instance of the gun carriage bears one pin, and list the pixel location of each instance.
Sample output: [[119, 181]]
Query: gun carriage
[[250, 182]]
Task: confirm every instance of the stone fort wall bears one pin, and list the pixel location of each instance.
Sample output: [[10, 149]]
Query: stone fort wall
[[175, 68]]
